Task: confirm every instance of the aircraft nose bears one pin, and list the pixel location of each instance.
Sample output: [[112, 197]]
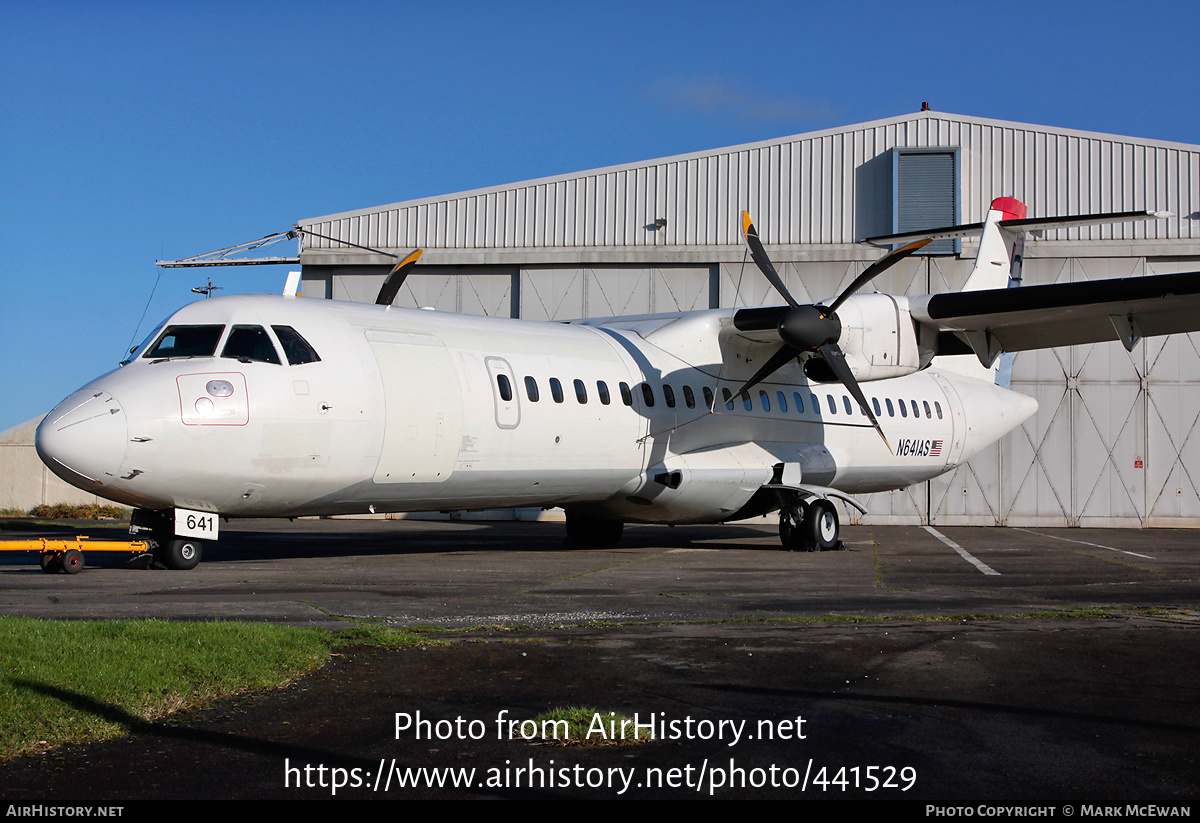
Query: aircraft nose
[[83, 438]]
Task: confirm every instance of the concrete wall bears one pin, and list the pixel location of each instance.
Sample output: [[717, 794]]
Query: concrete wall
[[25, 481]]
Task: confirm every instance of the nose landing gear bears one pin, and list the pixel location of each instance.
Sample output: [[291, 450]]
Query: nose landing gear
[[179, 553], [169, 550]]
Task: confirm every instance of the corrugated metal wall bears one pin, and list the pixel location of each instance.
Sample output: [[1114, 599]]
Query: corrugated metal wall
[[829, 187]]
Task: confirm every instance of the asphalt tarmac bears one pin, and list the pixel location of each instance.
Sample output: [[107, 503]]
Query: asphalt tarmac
[[985, 665]]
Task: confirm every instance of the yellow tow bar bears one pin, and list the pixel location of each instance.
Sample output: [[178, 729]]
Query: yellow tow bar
[[59, 555]]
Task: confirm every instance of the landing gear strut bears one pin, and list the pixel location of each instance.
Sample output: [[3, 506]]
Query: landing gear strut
[[808, 527], [169, 551]]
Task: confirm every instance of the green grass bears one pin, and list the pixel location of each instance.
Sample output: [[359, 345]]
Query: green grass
[[578, 721], [89, 511], [74, 681]]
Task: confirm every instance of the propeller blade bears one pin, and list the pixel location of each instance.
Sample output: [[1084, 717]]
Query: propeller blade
[[778, 360], [837, 363], [395, 279], [764, 263], [877, 268]]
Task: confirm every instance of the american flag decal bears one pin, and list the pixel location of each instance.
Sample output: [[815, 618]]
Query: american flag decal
[[936, 449]]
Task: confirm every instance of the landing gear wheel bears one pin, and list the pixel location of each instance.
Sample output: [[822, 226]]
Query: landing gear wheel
[[820, 526], [180, 554], [585, 532], [72, 561], [790, 534]]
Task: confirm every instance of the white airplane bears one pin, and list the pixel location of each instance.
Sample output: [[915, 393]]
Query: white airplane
[[282, 406]]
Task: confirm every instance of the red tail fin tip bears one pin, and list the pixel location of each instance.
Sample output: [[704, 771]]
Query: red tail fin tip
[[1013, 208]]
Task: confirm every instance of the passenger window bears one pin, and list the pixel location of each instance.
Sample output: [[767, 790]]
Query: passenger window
[[531, 389], [938, 408], [846, 404], [708, 397], [928, 413], [747, 403], [688, 397], [764, 401], [504, 386], [626, 394], [903, 408], [295, 348], [556, 390], [916, 413], [602, 392], [669, 396], [580, 392], [875, 403], [250, 344], [832, 405], [186, 341], [816, 405], [648, 395], [891, 411], [782, 401], [799, 402], [728, 399]]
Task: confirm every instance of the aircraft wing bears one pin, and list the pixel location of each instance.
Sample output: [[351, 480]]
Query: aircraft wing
[[1063, 314]]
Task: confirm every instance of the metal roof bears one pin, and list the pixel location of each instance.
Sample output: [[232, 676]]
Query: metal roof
[[824, 189]]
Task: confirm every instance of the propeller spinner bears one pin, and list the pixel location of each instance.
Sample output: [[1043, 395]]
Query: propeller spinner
[[812, 328]]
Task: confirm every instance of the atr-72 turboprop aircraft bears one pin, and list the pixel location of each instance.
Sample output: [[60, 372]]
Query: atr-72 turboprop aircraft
[[282, 406]]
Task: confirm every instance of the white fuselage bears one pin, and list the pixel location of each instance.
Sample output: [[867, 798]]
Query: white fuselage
[[410, 410]]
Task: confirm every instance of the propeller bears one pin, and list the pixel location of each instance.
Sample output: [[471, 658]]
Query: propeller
[[395, 279], [809, 328]]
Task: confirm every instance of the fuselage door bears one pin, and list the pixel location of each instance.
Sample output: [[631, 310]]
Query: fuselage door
[[504, 390], [955, 411], [423, 407]]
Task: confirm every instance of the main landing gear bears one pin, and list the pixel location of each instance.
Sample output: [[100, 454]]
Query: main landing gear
[[808, 527]]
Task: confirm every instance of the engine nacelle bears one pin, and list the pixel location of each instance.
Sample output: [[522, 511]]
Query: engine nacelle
[[880, 339]]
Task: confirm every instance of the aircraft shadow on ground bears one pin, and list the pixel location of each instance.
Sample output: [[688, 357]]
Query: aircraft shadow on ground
[[375, 538]]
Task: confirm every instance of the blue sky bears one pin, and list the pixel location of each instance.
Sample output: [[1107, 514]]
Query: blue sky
[[137, 131]]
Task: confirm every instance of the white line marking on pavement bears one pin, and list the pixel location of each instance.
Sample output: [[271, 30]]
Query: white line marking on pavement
[[979, 564], [1085, 543]]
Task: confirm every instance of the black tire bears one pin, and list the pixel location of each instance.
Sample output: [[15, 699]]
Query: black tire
[[72, 561], [585, 532], [50, 563], [820, 526], [791, 535], [180, 554]]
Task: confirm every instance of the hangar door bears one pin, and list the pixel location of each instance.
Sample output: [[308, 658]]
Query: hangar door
[[570, 293]]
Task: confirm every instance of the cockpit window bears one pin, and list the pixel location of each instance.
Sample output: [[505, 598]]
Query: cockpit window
[[250, 344], [146, 341], [186, 341], [295, 347]]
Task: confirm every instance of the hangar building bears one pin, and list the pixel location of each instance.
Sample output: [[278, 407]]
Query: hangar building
[[1115, 441]]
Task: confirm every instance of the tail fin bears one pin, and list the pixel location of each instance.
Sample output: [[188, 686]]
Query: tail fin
[[998, 247], [998, 265]]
